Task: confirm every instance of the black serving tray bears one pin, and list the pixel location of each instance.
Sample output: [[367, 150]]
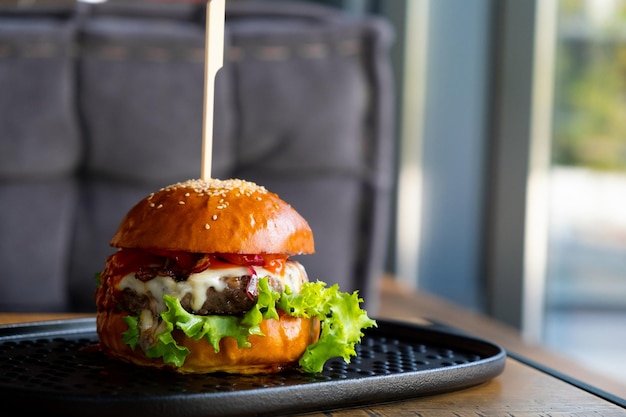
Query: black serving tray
[[55, 367]]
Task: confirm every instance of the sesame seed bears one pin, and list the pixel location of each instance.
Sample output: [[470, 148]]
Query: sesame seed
[[159, 206], [207, 226], [220, 189], [152, 204], [181, 202], [214, 217]]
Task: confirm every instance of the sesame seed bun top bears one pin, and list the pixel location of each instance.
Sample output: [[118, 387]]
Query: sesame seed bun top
[[215, 216]]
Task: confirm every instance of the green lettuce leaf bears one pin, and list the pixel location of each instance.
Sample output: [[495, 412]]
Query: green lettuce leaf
[[98, 278], [340, 315], [212, 328], [131, 336], [165, 346], [341, 319]]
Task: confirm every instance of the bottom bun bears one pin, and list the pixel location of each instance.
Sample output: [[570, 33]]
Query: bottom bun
[[282, 346]]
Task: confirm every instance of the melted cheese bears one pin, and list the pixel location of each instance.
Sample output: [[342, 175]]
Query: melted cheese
[[197, 284]]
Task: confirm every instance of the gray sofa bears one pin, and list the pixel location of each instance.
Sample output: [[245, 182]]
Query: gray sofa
[[102, 104]]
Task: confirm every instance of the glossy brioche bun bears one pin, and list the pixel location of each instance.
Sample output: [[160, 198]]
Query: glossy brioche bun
[[282, 346], [227, 216]]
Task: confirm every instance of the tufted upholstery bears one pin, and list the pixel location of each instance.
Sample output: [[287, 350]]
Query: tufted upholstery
[[102, 104]]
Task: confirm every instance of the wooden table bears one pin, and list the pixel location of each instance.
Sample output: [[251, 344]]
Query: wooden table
[[535, 381]]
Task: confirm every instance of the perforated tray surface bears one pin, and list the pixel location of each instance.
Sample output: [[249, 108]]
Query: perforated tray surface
[[56, 367]]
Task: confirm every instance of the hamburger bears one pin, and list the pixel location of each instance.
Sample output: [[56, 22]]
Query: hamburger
[[203, 281]]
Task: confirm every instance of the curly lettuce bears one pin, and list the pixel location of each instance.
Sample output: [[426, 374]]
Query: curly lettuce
[[342, 322]]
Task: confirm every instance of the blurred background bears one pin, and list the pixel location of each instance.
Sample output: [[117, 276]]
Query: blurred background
[[509, 163], [511, 193]]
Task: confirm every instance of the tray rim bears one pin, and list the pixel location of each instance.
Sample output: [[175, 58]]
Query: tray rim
[[337, 394]]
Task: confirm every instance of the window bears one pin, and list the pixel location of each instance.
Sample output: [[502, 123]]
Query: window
[[552, 223], [585, 310]]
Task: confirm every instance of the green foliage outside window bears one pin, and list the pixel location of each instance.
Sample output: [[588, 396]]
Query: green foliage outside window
[[590, 93]]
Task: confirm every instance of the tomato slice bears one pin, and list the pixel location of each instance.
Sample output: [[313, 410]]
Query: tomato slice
[[254, 260], [126, 261], [242, 259], [274, 262]]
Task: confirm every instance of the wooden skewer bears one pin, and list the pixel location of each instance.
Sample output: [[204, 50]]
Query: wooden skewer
[[213, 61]]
